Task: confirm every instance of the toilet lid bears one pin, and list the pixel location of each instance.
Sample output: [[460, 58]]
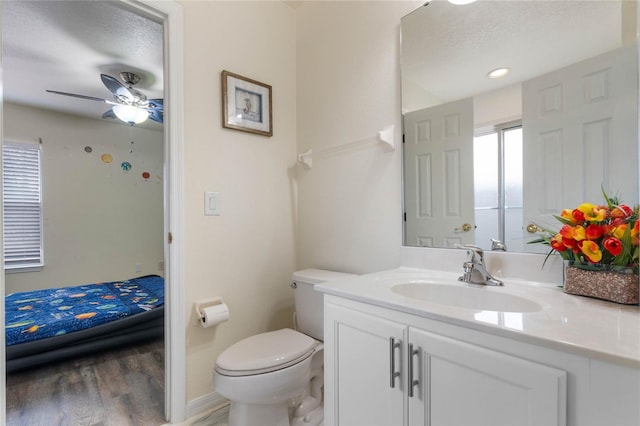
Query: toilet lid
[[265, 352]]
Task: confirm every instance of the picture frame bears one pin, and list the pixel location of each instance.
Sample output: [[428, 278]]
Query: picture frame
[[246, 104]]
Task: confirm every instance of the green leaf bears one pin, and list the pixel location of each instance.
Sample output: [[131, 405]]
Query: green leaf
[[626, 256], [606, 197], [540, 240], [563, 220]]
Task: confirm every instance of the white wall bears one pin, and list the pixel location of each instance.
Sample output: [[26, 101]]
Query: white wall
[[247, 254], [99, 221], [334, 68], [349, 208], [498, 106]]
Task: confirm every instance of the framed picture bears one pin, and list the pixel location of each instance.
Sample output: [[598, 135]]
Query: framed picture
[[246, 104]]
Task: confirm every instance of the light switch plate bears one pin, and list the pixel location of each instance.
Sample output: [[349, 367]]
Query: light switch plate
[[212, 204]]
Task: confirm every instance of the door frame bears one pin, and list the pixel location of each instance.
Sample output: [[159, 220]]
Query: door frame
[[169, 13]]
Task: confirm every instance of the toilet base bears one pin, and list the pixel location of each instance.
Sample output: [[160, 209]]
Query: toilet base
[[241, 414], [313, 418]]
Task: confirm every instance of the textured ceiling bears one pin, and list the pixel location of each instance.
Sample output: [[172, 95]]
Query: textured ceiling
[[65, 45], [448, 50]]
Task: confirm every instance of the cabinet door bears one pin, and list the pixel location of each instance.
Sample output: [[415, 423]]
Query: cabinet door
[[358, 369], [464, 384]]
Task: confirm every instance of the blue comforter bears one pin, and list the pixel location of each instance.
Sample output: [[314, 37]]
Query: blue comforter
[[51, 312]]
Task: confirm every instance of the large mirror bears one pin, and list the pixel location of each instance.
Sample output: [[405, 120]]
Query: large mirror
[[494, 158]]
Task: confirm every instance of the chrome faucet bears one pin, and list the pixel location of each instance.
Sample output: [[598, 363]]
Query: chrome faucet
[[498, 245], [475, 271]]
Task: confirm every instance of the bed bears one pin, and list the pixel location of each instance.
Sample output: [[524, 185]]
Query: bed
[[48, 325]]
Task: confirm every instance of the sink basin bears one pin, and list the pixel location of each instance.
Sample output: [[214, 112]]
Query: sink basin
[[476, 298]]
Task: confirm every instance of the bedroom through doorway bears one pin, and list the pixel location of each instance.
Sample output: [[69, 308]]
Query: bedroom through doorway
[[102, 188]]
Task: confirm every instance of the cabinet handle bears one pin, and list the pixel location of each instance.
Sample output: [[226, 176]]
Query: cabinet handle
[[412, 381], [393, 345]]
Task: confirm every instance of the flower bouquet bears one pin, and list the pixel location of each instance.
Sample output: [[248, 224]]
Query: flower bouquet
[[600, 243]]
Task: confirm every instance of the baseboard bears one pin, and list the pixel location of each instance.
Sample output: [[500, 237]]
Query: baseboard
[[205, 403]]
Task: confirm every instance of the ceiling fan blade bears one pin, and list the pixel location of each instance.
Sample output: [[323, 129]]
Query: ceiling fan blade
[[156, 115], [109, 114], [118, 89], [91, 98], [156, 104]]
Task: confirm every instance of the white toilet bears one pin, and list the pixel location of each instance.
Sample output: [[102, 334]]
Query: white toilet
[[266, 374]]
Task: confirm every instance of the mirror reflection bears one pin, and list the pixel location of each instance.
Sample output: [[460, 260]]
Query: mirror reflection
[[488, 158]]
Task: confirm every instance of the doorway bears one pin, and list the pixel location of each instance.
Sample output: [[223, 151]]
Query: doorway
[[169, 14]]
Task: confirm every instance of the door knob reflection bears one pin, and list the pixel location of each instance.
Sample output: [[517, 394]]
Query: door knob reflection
[[532, 228], [464, 228]]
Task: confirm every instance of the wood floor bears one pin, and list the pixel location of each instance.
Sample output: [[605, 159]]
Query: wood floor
[[116, 388]]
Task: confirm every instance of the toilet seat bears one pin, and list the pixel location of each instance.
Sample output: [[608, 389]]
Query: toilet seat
[[265, 352]]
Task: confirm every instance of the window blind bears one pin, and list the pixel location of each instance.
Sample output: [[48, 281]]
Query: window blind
[[22, 207]]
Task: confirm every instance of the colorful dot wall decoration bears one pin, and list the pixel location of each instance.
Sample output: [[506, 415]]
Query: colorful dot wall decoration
[[146, 175], [106, 158], [126, 166]]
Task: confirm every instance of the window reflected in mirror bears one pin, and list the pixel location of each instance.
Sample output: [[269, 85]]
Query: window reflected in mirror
[[497, 165]]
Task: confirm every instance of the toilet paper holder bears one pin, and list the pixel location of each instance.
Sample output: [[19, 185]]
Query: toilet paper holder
[[199, 306]]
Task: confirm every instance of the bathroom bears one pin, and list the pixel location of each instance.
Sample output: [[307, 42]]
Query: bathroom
[[335, 72], [348, 204]]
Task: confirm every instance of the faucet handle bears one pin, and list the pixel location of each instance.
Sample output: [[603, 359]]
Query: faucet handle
[[478, 254], [475, 252], [498, 245]]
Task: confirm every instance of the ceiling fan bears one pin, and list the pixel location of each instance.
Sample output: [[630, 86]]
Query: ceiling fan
[[129, 105]]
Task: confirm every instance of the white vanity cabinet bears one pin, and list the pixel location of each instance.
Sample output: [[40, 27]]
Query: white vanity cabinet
[[457, 383], [383, 369], [361, 387]]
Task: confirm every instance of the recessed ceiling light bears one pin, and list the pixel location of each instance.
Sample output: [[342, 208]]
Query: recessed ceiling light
[[499, 72], [461, 2]]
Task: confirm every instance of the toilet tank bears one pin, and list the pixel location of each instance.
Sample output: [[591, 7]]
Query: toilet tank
[[309, 302]]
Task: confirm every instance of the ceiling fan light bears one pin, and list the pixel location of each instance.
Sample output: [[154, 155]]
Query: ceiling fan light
[[130, 114]]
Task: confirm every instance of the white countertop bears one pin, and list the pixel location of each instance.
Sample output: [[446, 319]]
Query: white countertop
[[576, 324]]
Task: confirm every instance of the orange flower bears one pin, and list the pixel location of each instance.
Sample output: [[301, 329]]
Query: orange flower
[[572, 236], [578, 216], [557, 243], [568, 215], [618, 231], [621, 211], [593, 232], [591, 251], [613, 245], [566, 231], [579, 233]]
